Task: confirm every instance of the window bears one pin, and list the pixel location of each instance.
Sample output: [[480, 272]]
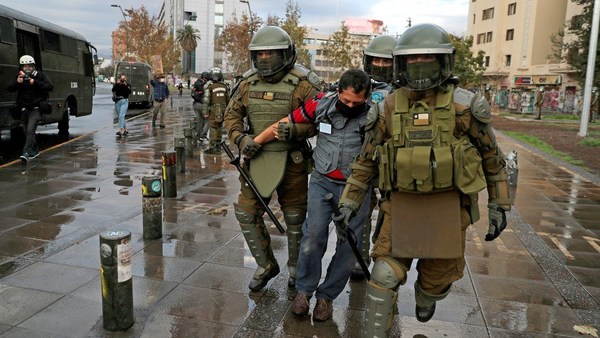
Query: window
[[51, 41], [510, 34], [507, 60], [480, 38], [489, 37], [512, 8], [219, 8], [190, 16], [486, 62], [7, 31], [488, 14], [219, 19], [473, 18]]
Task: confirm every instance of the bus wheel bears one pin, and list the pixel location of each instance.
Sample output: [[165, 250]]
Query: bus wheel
[[63, 125]]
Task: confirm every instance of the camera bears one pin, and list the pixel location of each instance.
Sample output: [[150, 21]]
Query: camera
[[26, 78]]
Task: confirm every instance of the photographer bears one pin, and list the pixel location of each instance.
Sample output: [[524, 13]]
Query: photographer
[[32, 89], [121, 90]]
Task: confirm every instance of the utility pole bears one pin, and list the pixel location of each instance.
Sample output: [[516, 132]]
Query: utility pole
[[589, 76]]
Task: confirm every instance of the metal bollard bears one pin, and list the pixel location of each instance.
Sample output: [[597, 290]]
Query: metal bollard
[[180, 152], [194, 136], [116, 281], [152, 207], [169, 176], [189, 141]]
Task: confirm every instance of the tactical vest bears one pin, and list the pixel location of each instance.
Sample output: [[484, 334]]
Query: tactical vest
[[423, 155], [218, 93], [269, 103], [339, 148]]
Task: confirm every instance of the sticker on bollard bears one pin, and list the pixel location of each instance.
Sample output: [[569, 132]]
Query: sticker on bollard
[[116, 280], [151, 207]]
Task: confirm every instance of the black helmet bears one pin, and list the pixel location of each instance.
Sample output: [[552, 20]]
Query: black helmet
[[380, 47], [216, 74], [423, 39], [272, 38], [205, 75]]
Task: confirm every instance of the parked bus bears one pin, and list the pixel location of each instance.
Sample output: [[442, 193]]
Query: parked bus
[[138, 76], [64, 55]]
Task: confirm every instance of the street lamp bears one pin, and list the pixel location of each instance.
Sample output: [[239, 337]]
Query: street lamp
[[247, 2], [126, 38]]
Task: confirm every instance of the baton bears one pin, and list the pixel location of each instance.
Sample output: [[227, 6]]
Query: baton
[[337, 218], [236, 162]]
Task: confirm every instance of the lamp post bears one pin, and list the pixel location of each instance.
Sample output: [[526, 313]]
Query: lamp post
[[247, 2], [126, 38]]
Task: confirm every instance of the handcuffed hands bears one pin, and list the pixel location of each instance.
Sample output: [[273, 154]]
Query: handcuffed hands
[[497, 221], [248, 146]]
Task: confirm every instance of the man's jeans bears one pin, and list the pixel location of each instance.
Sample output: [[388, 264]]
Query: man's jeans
[[121, 107], [201, 122], [30, 120], [315, 234]]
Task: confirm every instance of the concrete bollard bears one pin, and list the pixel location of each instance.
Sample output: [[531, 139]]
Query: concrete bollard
[[116, 281], [152, 207], [169, 176], [180, 152], [189, 141]]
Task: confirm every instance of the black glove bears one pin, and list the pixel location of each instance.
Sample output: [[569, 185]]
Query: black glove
[[248, 146], [341, 221], [497, 220], [286, 131]]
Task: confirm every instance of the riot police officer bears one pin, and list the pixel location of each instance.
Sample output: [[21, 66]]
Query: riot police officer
[[432, 150], [216, 97], [269, 92]]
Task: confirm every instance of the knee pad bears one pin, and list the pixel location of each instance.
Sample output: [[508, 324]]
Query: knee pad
[[388, 273], [293, 215], [245, 214]]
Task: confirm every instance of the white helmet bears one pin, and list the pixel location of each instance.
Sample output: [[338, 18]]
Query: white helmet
[[26, 60]]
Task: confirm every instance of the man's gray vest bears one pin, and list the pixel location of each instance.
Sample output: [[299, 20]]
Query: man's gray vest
[[338, 149]]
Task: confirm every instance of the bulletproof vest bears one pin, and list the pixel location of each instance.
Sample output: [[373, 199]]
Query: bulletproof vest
[[339, 147], [218, 93], [269, 103], [423, 155]]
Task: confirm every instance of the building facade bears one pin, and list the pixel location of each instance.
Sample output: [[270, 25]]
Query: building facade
[[517, 38], [209, 18]]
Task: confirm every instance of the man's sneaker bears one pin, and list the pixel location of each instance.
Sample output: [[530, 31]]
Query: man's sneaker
[[33, 154], [301, 304], [323, 310], [24, 157]]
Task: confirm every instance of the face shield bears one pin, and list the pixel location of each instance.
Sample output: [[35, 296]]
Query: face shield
[[268, 62]]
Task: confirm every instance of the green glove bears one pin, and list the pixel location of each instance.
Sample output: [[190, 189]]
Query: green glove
[[248, 146], [286, 131], [497, 221]]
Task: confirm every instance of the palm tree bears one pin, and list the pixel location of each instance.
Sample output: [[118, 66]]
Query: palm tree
[[188, 38]]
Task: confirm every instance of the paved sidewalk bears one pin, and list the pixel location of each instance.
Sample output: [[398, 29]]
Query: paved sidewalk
[[539, 279]]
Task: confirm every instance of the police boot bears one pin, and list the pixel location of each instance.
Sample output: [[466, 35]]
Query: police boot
[[263, 275], [425, 303], [294, 235], [380, 310]]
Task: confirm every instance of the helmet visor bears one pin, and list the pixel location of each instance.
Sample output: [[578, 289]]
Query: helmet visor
[[268, 62]]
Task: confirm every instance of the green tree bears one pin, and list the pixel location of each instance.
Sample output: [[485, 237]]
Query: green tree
[[234, 41], [146, 37], [297, 32], [575, 52], [343, 51], [468, 67], [188, 38]]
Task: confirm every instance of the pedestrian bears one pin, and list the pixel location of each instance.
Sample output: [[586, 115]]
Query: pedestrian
[[378, 63], [273, 88], [161, 96], [121, 90], [32, 87], [215, 100], [342, 117], [432, 150], [539, 102], [198, 96], [180, 88]]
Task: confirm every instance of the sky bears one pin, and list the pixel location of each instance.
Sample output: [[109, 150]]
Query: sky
[[96, 19]]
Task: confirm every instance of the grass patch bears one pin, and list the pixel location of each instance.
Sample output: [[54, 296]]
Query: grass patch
[[543, 146], [590, 141], [569, 117]]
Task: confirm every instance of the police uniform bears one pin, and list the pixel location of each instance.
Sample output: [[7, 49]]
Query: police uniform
[[215, 100]]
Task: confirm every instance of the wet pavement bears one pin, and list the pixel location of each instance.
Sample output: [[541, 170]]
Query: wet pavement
[[539, 279]]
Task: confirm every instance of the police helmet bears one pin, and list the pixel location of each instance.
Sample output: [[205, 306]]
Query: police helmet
[[216, 74], [272, 38], [423, 39], [27, 60], [380, 47]]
